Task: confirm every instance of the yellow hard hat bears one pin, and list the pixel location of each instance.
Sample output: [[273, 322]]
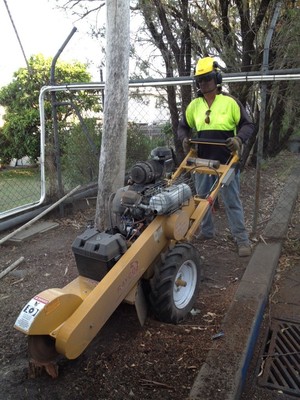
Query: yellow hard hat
[[207, 68], [205, 65]]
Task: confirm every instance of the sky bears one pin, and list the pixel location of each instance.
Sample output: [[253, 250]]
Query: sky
[[43, 29]]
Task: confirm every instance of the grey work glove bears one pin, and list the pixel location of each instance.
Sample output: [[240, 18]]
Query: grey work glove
[[186, 145], [234, 144]]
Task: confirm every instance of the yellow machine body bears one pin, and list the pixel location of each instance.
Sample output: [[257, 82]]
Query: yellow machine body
[[74, 315]]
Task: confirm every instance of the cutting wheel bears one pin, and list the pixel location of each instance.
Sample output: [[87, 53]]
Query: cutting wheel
[[42, 348]]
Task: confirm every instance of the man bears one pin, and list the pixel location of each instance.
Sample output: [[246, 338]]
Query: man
[[214, 115]]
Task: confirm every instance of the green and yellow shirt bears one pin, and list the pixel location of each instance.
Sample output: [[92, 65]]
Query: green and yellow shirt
[[225, 118]]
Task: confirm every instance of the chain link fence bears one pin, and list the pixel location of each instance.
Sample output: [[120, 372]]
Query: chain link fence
[[73, 158]]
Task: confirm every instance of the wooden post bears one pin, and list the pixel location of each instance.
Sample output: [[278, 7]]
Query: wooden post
[[113, 147]]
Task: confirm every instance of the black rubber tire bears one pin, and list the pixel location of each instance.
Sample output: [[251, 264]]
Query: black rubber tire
[[168, 304]]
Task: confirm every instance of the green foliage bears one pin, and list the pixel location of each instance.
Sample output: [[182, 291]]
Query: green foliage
[[138, 145], [80, 159], [22, 133], [80, 152], [167, 131], [4, 149], [21, 102]]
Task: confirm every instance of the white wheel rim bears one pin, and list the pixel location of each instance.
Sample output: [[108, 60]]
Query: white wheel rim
[[185, 284]]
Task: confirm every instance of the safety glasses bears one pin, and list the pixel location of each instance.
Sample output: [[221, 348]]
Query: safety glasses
[[207, 118], [205, 78]]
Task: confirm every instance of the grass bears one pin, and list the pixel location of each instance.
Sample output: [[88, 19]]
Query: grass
[[18, 187]]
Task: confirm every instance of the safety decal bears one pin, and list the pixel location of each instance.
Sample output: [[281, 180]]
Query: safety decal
[[29, 313]]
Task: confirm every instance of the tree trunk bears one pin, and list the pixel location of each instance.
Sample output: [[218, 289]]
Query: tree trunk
[[113, 147]]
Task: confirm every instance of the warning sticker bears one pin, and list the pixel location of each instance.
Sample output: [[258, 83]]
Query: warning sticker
[[29, 313]]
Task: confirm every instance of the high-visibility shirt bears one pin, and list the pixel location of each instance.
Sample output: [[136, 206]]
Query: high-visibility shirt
[[225, 118], [224, 114]]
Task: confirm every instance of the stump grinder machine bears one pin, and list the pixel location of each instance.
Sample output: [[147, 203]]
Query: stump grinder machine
[[144, 258]]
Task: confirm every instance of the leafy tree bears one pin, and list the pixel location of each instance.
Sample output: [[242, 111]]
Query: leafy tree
[[20, 99]]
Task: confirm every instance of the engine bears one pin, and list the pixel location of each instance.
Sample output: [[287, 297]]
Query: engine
[[148, 194], [133, 207]]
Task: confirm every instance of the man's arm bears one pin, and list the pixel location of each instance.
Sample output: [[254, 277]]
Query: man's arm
[[183, 131], [245, 126]]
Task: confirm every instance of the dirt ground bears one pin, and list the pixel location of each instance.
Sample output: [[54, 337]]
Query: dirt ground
[[125, 360]]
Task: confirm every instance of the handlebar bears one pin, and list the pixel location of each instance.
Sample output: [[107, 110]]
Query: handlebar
[[219, 142]]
